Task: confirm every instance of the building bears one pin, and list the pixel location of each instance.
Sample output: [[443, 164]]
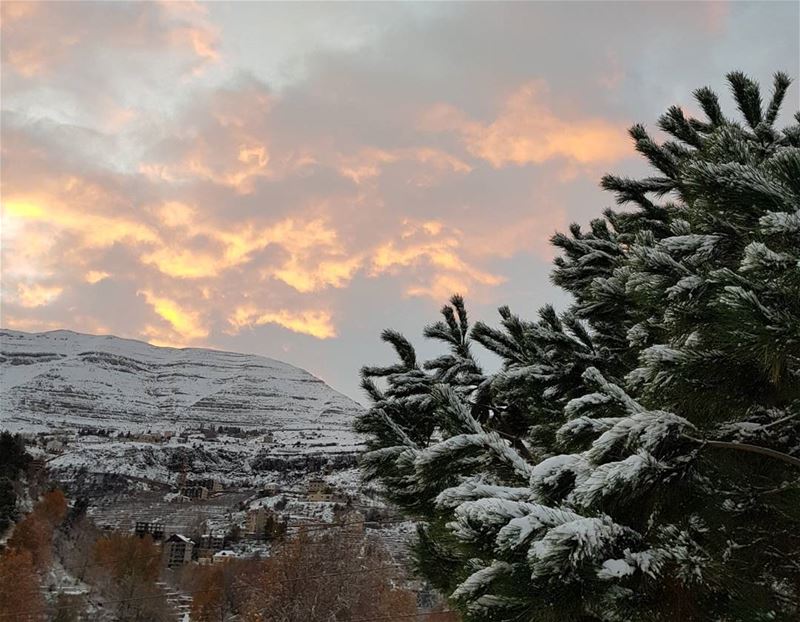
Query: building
[[155, 529], [209, 544], [181, 480], [262, 524], [178, 550], [318, 490], [256, 522], [212, 485], [148, 437], [271, 489], [55, 446], [224, 556], [195, 493]]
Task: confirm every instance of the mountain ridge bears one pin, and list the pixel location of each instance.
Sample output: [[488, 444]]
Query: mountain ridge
[[128, 382]]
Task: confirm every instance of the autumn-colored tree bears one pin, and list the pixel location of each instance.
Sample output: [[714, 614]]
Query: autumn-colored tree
[[222, 589], [126, 568], [326, 577], [208, 602], [441, 614], [52, 508], [34, 533], [20, 595], [34, 536], [125, 555]]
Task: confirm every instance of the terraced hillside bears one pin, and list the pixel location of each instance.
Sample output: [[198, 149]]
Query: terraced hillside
[[62, 378]]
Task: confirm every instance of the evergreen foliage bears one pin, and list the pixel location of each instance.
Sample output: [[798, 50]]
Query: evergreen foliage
[[637, 457], [14, 461]]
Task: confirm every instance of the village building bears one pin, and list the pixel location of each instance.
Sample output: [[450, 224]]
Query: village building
[[178, 549], [55, 446], [256, 522], [155, 529], [195, 493], [271, 489], [181, 479], [213, 485], [148, 437], [319, 490], [224, 556], [208, 544], [261, 523]]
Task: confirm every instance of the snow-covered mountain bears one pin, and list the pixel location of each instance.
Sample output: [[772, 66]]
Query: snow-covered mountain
[[133, 428], [65, 379]]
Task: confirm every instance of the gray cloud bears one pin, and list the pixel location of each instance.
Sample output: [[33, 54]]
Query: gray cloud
[[289, 179]]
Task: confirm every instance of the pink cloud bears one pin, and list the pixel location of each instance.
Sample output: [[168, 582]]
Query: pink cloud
[[528, 131], [40, 38]]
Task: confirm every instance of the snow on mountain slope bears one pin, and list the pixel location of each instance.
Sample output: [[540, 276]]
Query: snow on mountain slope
[[62, 379]]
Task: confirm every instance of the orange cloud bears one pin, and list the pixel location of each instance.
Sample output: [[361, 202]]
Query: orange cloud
[[184, 263], [327, 273], [527, 131], [314, 257], [315, 323], [26, 51], [207, 162], [65, 210], [37, 295], [95, 276], [185, 322], [425, 248], [41, 37], [202, 41], [48, 231], [227, 148], [369, 162], [440, 287]]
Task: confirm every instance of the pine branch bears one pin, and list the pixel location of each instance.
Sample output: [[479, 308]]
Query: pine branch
[[764, 451]]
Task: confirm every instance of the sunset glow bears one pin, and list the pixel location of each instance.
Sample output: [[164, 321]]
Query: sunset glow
[[192, 175]]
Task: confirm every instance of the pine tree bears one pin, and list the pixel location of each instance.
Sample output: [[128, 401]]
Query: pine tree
[[637, 457]]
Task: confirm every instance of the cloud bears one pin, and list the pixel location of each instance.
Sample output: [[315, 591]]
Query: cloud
[[36, 294], [192, 248], [43, 38], [62, 212], [435, 255], [95, 276], [214, 175], [527, 131], [317, 324], [185, 322], [369, 163], [222, 140]]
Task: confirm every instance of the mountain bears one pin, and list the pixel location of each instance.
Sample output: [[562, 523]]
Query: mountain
[[109, 406], [67, 379]]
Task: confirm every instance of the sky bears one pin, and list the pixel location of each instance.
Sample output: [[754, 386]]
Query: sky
[[288, 179]]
